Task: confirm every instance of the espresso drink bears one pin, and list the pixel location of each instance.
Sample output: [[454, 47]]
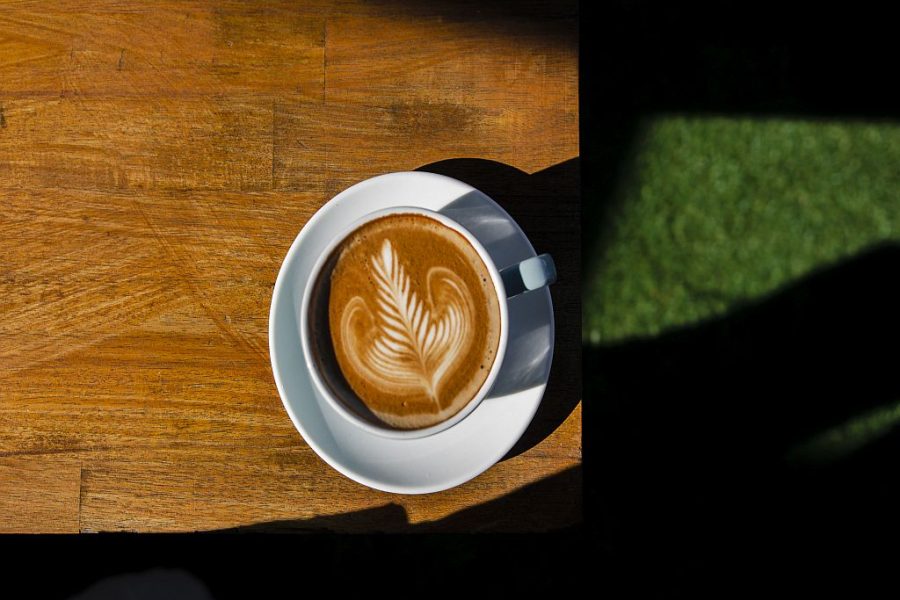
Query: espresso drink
[[413, 317]]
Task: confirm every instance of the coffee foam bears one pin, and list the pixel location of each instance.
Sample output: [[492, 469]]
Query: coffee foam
[[414, 319]]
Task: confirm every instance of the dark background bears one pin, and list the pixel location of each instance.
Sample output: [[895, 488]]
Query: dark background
[[690, 490]]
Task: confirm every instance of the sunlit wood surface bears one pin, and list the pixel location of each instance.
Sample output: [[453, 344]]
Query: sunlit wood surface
[[156, 161]]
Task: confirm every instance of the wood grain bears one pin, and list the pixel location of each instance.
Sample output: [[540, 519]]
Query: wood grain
[[156, 161], [39, 494]]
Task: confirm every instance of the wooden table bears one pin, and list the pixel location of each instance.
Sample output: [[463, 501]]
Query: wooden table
[[156, 161]]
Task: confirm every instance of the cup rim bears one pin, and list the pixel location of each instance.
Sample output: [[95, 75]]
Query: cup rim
[[322, 389]]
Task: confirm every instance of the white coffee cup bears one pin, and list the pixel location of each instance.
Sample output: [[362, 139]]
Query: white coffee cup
[[530, 274]]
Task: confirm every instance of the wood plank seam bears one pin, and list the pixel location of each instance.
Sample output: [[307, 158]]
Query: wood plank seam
[[325, 99], [80, 493]]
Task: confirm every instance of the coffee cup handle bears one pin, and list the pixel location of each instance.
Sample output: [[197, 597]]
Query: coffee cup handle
[[530, 274]]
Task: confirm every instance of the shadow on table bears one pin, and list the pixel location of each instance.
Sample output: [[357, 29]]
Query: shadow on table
[[552, 503], [546, 206], [770, 430], [249, 562]]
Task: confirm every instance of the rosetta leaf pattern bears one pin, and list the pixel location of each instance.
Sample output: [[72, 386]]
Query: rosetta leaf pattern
[[417, 337]]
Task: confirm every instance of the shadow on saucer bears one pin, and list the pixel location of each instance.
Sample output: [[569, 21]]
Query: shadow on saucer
[[529, 352], [546, 206]]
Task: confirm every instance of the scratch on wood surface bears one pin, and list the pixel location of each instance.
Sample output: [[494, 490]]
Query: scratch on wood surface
[[235, 337], [104, 318], [121, 63], [2, 118]]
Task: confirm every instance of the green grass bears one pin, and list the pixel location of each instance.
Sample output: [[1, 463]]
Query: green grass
[[716, 211], [848, 437]]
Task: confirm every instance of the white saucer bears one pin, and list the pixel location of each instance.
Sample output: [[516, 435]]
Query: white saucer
[[467, 449]]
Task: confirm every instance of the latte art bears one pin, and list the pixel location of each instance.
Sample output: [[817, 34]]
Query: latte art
[[414, 319], [416, 339]]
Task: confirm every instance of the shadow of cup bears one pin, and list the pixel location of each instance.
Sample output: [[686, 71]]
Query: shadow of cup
[[529, 352], [546, 205]]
